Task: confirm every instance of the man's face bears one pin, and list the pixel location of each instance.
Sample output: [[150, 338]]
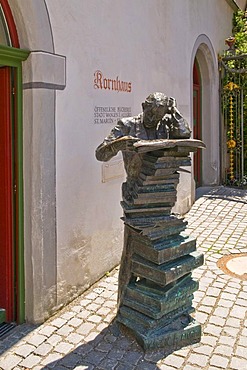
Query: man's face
[[153, 115]]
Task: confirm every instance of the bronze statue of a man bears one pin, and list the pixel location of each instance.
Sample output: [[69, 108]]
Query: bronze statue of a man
[[160, 120], [155, 287]]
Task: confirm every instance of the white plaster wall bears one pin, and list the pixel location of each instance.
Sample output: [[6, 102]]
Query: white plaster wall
[[147, 42]]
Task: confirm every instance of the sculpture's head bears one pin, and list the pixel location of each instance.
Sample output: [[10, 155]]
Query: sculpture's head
[[155, 107]]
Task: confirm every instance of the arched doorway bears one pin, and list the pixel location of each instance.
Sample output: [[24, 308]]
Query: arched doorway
[[205, 110], [197, 129], [11, 251]]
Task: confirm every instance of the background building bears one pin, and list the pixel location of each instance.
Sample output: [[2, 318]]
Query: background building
[[76, 67]]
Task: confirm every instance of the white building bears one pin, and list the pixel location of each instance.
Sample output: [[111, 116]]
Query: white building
[[66, 223]]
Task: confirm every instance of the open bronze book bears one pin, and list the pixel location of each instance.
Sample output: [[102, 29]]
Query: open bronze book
[[143, 146]]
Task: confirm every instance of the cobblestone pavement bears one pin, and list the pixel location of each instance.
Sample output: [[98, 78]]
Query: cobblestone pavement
[[84, 336]]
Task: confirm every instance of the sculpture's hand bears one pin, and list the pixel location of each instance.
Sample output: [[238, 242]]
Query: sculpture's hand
[[125, 143], [130, 145]]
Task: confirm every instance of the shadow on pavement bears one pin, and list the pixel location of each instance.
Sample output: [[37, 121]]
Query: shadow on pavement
[[15, 335], [110, 349], [224, 193]]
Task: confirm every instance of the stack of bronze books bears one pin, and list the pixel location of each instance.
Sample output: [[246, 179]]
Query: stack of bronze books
[[157, 301]]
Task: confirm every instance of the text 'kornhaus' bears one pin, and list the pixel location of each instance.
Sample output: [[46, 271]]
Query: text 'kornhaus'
[[104, 83]]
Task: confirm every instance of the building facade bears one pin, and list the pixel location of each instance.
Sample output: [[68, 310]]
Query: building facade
[[71, 69]]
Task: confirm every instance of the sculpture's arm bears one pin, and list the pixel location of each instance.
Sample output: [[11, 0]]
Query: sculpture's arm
[[111, 146], [178, 126]]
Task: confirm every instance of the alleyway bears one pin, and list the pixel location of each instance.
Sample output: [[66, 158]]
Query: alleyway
[[83, 336]]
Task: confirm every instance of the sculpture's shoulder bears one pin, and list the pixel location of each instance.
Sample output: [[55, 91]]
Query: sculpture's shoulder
[[130, 121]]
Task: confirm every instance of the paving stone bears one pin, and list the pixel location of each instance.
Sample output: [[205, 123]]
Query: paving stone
[[9, 362], [63, 347], [219, 361], [83, 314], [116, 353], [85, 328], [58, 322], [206, 309], [102, 326], [214, 292], [94, 318], [108, 363], [241, 352], [54, 339], [93, 307], [227, 340], [43, 349], [238, 312], [51, 359], [36, 339], [84, 302], [70, 361], [232, 321], [174, 361], [68, 315], [242, 341], [208, 339], [91, 337], [24, 350], [100, 301], [126, 366], [221, 311], [91, 296], [241, 302], [203, 349], [75, 322], [132, 357], [212, 329], [242, 295], [201, 317], [74, 338], [238, 363], [225, 303], [104, 346], [244, 331], [219, 321], [95, 357], [229, 330], [224, 350], [31, 361], [65, 330], [144, 365], [76, 308], [198, 359], [47, 330]]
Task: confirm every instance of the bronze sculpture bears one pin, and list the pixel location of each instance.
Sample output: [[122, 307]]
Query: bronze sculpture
[[157, 257]]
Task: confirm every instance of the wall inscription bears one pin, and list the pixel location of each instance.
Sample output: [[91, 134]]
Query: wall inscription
[[110, 114], [116, 84]]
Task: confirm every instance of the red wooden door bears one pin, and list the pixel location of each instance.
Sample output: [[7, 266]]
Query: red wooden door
[[197, 124], [6, 197]]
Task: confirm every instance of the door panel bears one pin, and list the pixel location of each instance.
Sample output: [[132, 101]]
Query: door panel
[[197, 133], [6, 197]]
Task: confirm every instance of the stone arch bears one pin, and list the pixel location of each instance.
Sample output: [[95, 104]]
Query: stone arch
[[206, 57], [33, 24]]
